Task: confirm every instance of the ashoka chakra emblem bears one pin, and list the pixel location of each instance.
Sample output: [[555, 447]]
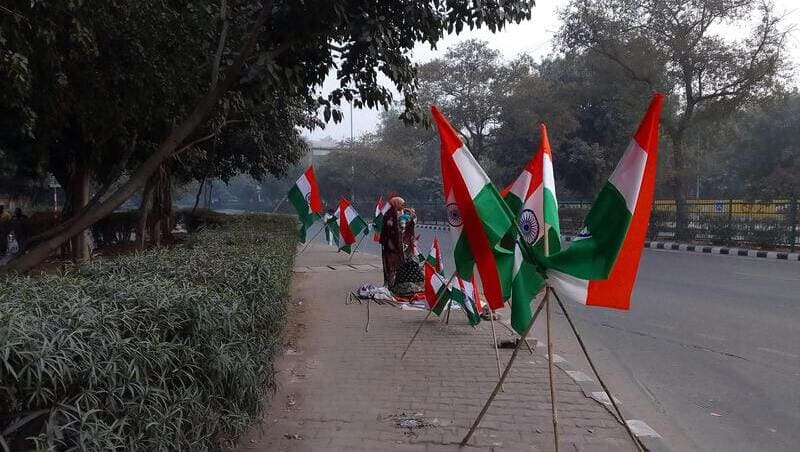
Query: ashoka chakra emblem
[[308, 198], [529, 225], [454, 216]]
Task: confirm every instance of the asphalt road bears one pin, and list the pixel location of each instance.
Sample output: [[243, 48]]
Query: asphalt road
[[708, 355]]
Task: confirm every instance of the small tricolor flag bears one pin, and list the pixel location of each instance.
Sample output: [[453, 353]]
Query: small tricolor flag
[[305, 198], [377, 223], [532, 198], [599, 268], [478, 216], [435, 256], [437, 294], [350, 225], [465, 293]]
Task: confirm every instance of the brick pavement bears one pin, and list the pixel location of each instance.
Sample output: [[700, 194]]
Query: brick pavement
[[341, 388]]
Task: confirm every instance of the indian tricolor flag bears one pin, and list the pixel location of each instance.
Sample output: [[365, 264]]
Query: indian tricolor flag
[[599, 268], [532, 198], [526, 284], [350, 225], [478, 216], [465, 293], [437, 294], [305, 198], [377, 223], [435, 256]]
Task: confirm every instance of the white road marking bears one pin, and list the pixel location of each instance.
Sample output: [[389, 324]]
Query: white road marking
[[640, 428], [778, 352]]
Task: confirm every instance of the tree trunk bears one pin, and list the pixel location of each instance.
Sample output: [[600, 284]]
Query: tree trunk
[[79, 193], [199, 192], [679, 188], [144, 211], [168, 147]]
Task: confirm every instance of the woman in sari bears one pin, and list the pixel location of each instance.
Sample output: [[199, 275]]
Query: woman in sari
[[391, 242], [401, 270]]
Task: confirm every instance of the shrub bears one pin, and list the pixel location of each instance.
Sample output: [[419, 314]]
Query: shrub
[[169, 349], [193, 220]]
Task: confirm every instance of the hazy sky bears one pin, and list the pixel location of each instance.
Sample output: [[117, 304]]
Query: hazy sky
[[533, 37]]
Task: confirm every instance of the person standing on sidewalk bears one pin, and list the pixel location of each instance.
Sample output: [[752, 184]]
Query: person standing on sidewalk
[[391, 241], [328, 233]]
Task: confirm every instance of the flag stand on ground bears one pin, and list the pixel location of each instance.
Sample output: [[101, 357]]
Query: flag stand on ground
[[611, 251], [439, 299], [356, 248]]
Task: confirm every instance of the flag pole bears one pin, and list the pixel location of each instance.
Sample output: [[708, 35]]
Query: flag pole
[[279, 204], [506, 370], [496, 351], [553, 408], [356, 248], [635, 439], [439, 299], [310, 241]]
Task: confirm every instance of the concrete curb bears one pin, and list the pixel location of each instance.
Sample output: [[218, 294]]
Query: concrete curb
[[651, 439], [673, 246]]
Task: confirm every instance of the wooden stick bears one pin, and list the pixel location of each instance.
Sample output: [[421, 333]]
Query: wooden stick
[[496, 351], [447, 316], [553, 408], [366, 328], [430, 311], [506, 371], [309, 242], [279, 204], [356, 248], [635, 439]]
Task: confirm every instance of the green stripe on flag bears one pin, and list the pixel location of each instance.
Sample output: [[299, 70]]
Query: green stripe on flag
[[607, 223]]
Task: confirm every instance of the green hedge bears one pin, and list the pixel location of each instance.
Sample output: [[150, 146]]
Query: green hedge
[[170, 349]]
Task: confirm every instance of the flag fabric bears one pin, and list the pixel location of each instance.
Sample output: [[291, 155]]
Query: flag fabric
[[350, 225], [526, 284], [599, 268], [437, 294], [532, 198], [435, 255], [464, 294], [477, 214], [305, 198], [332, 227], [377, 223]]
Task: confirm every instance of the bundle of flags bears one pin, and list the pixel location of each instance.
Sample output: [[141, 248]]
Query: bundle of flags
[[513, 239]]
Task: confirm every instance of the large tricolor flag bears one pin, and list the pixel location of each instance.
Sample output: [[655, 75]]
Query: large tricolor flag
[[437, 294], [478, 216], [305, 198], [435, 256], [599, 268], [377, 223], [350, 225], [532, 198]]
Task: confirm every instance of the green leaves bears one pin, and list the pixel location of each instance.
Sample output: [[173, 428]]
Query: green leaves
[[128, 353]]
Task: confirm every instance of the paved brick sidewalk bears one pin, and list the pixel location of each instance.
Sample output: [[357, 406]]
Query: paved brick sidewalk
[[341, 388]]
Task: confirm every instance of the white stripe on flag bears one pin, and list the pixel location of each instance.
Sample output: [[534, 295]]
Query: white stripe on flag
[[568, 286], [547, 174], [627, 176], [520, 186], [350, 214], [470, 170], [304, 186]]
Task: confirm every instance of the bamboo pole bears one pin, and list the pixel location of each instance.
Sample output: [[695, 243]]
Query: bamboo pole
[[553, 404], [506, 370], [309, 242], [496, 351], [578, 337], [430, 311], [356, 248]]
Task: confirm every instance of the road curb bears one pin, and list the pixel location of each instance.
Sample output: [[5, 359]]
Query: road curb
[[651, 439], [674, 246]]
